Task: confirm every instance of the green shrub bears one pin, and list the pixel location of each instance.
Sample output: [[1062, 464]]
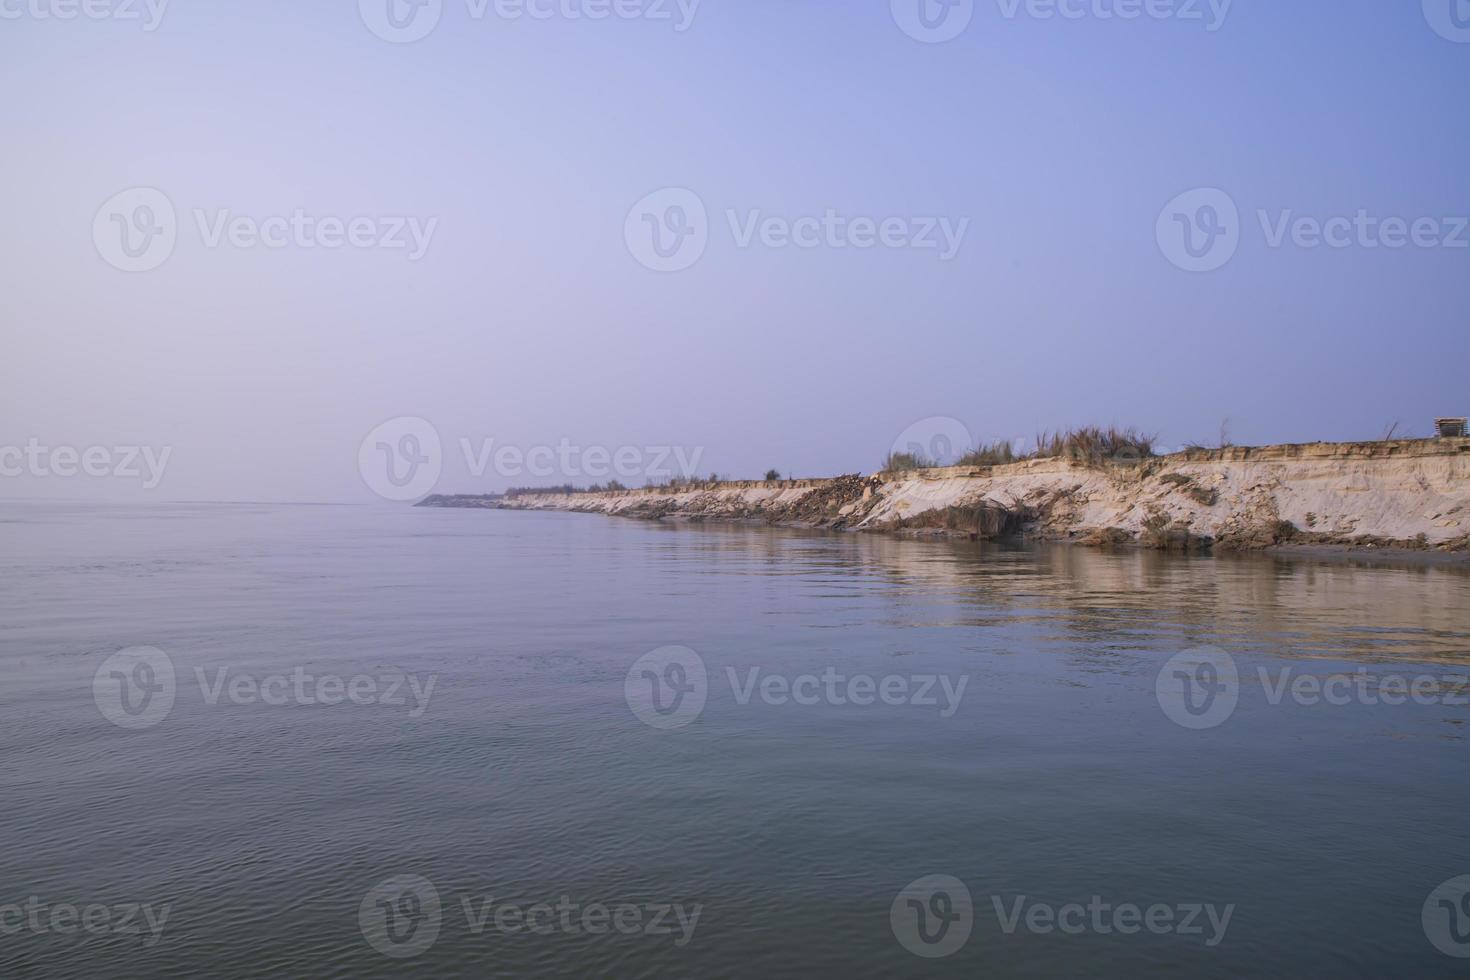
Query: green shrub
[[899, 462], [1093, 444], [995, 454]]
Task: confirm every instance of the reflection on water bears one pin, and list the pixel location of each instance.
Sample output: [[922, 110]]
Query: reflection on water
[[1290, 606]]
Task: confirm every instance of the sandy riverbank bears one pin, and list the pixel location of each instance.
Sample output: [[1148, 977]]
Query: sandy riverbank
[[1405, 494]]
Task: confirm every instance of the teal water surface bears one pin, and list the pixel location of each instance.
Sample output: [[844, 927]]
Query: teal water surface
[[508, 811]]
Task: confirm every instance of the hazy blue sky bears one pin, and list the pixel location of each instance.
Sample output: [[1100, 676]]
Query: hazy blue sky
[[529, 319]]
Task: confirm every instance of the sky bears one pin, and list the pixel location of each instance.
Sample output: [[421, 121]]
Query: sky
[[357, 251]]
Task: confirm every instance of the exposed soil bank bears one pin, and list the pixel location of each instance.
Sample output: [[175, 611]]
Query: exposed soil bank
[[1406, 494]]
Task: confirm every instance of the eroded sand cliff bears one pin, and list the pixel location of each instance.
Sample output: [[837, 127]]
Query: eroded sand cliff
[[1408, 493]]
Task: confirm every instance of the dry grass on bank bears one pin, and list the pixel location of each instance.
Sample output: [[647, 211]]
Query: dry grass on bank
[[1090, 444]]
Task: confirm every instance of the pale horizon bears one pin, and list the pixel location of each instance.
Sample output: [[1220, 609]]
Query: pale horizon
[[903, 228]]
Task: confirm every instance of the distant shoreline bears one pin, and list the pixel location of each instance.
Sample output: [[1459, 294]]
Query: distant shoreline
[[1410, 496]]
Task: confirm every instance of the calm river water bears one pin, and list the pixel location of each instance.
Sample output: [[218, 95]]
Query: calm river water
[[334, 741]]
